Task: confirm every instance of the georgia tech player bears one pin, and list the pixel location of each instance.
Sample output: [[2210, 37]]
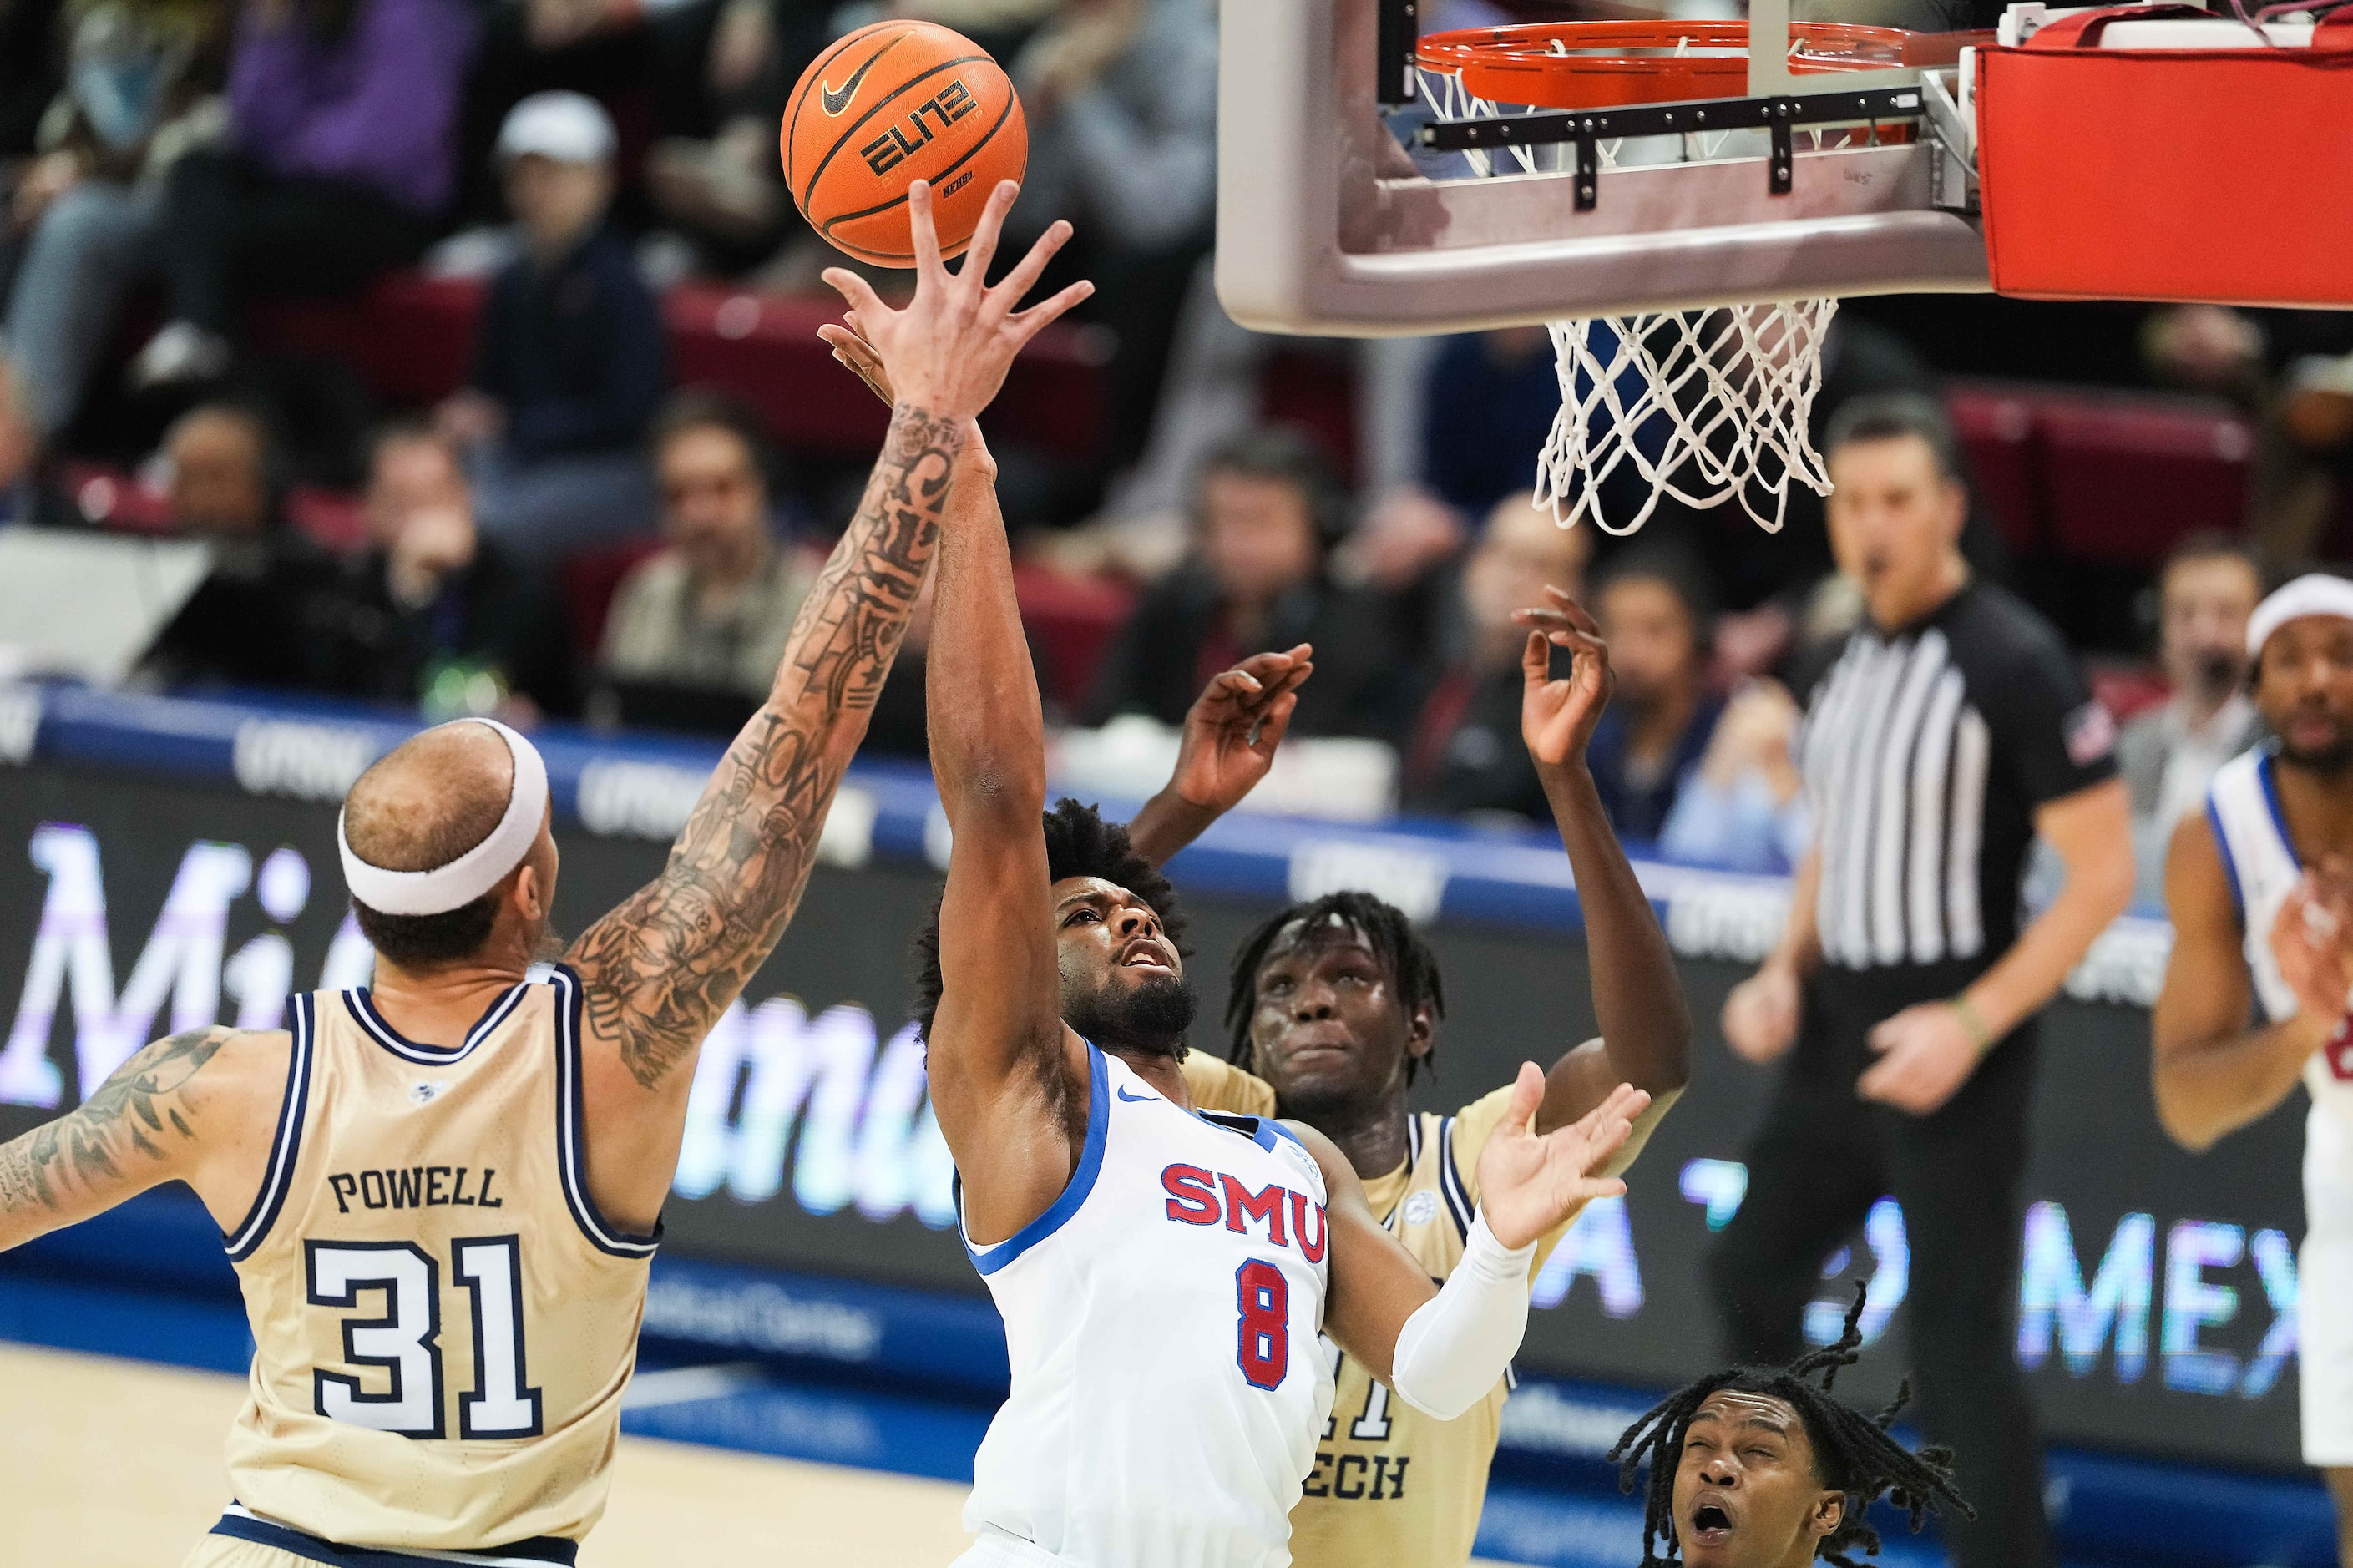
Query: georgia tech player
[[1162, 1275], [1336, 1002], [2273, 841], [441, 1192]]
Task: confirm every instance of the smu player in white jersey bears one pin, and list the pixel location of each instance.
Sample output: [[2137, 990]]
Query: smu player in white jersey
[[2260, 888], [1163, 1275]]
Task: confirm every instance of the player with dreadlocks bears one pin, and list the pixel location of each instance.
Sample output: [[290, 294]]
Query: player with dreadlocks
[[1336, 1005], [1751, 1468]]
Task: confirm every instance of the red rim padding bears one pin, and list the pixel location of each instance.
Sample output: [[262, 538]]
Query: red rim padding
[[1523, 65]]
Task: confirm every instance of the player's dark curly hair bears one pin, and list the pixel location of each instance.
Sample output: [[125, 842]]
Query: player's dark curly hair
[[1385, 928], [1852, 1452], [1079, 843]]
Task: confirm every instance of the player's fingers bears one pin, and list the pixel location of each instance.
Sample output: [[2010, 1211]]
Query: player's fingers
[[1535, 661], [930, 272], [1028, 323], [1527, 1093], [983, 248], [860, 295], [1026, 271], [1275, 725], [1575, 612]]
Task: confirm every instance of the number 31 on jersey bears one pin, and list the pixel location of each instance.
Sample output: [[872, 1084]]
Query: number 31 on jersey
[[406, 1340]]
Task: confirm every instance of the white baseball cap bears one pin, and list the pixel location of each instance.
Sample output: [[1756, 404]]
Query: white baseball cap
[[569, 126]]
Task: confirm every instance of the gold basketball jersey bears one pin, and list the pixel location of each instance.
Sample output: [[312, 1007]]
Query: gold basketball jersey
[[442, 1323], [1390, 1484]]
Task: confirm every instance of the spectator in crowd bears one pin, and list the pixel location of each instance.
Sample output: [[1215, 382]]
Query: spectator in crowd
[[1267, 511], [710, 613], [24, 497], [341, 113], [437, 615], [87, 214], [569, 357], [1483, 403], [1654, 610], [1120, 97], [1462, 752], [1742, 808], [259, 616], [2168, 755]]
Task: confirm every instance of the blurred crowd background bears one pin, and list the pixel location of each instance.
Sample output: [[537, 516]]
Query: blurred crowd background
[[475, 339]]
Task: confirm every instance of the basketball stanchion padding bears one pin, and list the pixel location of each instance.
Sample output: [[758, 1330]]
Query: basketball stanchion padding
[[885, 106], [2221, 175]]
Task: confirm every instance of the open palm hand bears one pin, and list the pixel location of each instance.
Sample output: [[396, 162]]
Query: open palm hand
[[1529, 1185]]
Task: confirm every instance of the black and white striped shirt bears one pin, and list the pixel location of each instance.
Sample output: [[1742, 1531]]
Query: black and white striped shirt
[[1926, 752]]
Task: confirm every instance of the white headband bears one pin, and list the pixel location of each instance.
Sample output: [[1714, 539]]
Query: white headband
[[478, 869], [2314, 593]]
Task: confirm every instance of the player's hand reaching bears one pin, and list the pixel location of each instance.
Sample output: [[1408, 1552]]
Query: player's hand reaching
[[1234, 726], [947, 352], [1557, 717], [1528, 1184], [2309, 940]]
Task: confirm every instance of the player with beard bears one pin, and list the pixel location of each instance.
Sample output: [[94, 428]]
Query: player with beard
[[1162, 1274], [2257, 885], [1336, 1004], [1764, 1469]]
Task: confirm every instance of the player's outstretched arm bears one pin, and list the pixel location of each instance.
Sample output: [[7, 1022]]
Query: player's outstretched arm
[[1227, 744], [1441, 1350], [2212, 1074], [660, 970], [199, 1107], [999, 1057], [1637, 998]]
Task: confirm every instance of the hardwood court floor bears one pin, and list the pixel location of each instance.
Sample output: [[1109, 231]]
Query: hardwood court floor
[[117, 1464]]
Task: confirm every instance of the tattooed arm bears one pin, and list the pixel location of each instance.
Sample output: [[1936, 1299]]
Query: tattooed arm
[[199, 1107], [658, 972]]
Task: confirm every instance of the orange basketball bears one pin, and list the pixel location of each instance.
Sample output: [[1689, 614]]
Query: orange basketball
[[888, 105]]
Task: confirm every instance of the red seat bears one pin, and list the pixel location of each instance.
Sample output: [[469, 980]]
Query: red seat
[[1071, 620], [113, 500], [409, 337], [336, 519], [764, 349], [589, 579], [2127, 477]]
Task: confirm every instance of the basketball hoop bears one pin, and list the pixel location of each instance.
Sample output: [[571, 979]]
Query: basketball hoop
[[1705, 405]]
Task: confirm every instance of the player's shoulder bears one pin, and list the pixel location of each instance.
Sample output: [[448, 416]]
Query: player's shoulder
[[1217, 1085], [1992, 629], [234, 1072]]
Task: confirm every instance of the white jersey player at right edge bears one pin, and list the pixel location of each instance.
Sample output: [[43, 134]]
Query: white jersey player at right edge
[[2260, 888], [1163, 1275]]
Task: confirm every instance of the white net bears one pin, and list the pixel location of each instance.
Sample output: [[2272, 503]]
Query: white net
[[1706, 406]]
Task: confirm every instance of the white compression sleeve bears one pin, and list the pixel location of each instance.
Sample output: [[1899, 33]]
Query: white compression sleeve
[[1458, 1344]]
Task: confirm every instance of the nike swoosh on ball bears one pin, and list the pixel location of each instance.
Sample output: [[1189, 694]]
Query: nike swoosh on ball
[[836, 100]]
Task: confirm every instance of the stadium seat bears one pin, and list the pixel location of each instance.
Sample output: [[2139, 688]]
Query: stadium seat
[[1071, 620], [2127, 477], [410, 338], [588, 579]]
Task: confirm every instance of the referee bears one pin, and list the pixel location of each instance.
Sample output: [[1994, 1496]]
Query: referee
[[1951, 730]]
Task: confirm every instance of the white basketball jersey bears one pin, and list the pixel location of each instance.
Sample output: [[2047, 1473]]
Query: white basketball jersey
[[2259, 861], [1161, 1320]]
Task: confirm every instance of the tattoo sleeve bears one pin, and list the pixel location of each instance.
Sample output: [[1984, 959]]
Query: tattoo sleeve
[[121, 1140], [658, 970]]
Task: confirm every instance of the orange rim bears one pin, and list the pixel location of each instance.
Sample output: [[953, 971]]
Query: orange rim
[[1593, 64]]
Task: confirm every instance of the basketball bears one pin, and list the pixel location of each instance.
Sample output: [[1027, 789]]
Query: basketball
[[886, 106]]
